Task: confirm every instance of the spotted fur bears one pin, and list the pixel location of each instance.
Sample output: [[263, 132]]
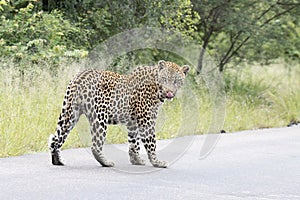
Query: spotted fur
[[109, 98]]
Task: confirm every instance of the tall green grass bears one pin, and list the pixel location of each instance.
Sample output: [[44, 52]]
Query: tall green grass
[[262, 97], [257, 97], [29, 107]]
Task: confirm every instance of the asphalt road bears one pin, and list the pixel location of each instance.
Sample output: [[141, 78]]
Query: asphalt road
[[262, 164]]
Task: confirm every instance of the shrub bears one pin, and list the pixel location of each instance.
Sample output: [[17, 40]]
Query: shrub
[[36, 37]]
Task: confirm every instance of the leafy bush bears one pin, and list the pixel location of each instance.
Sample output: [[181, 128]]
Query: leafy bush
[[39, 36]]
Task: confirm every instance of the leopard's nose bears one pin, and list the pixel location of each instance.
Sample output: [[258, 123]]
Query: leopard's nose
[[170, 94]]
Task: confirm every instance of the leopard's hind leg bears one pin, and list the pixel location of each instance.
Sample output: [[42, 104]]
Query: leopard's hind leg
[[98, 128], [68, 118]]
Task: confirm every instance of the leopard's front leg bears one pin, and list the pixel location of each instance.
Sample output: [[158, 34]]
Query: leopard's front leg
[[148, 138], [134, 146]]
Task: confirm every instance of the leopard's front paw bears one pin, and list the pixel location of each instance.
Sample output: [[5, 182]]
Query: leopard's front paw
[[159, 164], [135, 159], [106, 163]]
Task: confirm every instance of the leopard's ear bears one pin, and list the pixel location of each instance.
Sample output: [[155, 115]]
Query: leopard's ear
[[185, 69], [161, 64]]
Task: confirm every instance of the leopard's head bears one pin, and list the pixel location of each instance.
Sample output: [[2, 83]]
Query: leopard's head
[[170, 78]]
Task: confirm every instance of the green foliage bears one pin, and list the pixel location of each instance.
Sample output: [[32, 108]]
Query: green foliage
[[182, 19], [251, 31], [39, 36], [231, 31]]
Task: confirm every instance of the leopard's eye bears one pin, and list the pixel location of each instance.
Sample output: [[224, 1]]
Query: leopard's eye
[[177, 82], [164, 79]]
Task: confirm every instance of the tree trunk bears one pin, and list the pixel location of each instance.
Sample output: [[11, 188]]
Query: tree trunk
[[200, 61], [202, 53]]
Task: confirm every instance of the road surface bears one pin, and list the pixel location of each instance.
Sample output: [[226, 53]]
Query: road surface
[[260, 164]]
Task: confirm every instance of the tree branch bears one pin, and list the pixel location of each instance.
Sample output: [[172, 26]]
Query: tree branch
[[228, 55], [265, 12], [233, 39], [288, 4], [279, 14], [237, 49]]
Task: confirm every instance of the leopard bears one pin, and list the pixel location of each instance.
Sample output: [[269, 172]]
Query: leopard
[[108, 98]]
